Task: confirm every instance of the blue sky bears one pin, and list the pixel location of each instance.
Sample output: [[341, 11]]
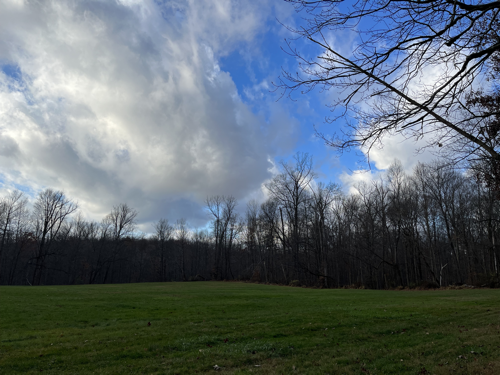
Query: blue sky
[[158, 104]]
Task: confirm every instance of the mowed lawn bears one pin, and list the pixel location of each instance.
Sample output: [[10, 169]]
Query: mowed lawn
[[188, 328]]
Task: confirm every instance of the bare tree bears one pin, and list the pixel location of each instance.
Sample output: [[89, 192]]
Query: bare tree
[[253, 241], [121, 220], [164, 232], [223, 210], [98, 235], [14, 217], [323, 197], [487, 169], [391, 67], [231, 230], [11, 208], [290, 189], [273, 240], [215, 207], [121, 223], [182, 236], [50, 211]]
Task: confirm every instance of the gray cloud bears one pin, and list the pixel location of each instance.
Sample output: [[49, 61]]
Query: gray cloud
[[125, 102]]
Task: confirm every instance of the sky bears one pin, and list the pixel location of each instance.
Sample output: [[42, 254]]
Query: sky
[[160, 104]]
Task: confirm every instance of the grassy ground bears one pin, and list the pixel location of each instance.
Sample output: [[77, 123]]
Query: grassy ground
[[187, 328]]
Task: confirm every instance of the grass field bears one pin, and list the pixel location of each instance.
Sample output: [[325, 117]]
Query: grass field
[[187, 328]]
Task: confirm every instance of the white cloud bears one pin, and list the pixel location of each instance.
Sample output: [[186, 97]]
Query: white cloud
[[408, 151], [395, 147], [351, 180], [126, 102]]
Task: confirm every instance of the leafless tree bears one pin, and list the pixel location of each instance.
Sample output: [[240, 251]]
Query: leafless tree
[[215, 207], [12, 208], [96, 234], [182, 237], [119, 223], [273, 241], [223, 210], [164, 233], [121, 220], [323, 197], [14, 221], [50, 211], [409, 70], [487, 169], [290, 189], [231, 231]]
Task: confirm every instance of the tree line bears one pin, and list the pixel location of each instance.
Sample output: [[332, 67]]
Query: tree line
[[437, 226]]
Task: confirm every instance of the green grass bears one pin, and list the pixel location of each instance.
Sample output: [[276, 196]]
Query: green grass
[[246, 328]]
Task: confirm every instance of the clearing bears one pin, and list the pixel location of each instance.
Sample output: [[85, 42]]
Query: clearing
[[187, 328]]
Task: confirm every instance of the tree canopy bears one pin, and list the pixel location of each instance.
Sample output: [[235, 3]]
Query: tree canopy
[[411, 68]]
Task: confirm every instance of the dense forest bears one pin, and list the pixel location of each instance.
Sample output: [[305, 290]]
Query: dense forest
[[437, 226]]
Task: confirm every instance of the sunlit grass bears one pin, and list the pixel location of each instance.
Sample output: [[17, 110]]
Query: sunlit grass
[[186, 328]]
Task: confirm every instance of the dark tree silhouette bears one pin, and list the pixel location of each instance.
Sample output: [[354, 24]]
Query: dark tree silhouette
[[51, 210], [163, 234], [409, 70], [436, 226], [487, 104]]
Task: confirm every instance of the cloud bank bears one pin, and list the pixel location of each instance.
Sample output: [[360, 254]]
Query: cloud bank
[[125, 102]]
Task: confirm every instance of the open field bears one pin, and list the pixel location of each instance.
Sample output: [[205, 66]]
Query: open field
[[186, 328]]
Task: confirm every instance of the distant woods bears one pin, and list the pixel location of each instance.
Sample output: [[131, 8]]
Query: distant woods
[[436, 226]]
